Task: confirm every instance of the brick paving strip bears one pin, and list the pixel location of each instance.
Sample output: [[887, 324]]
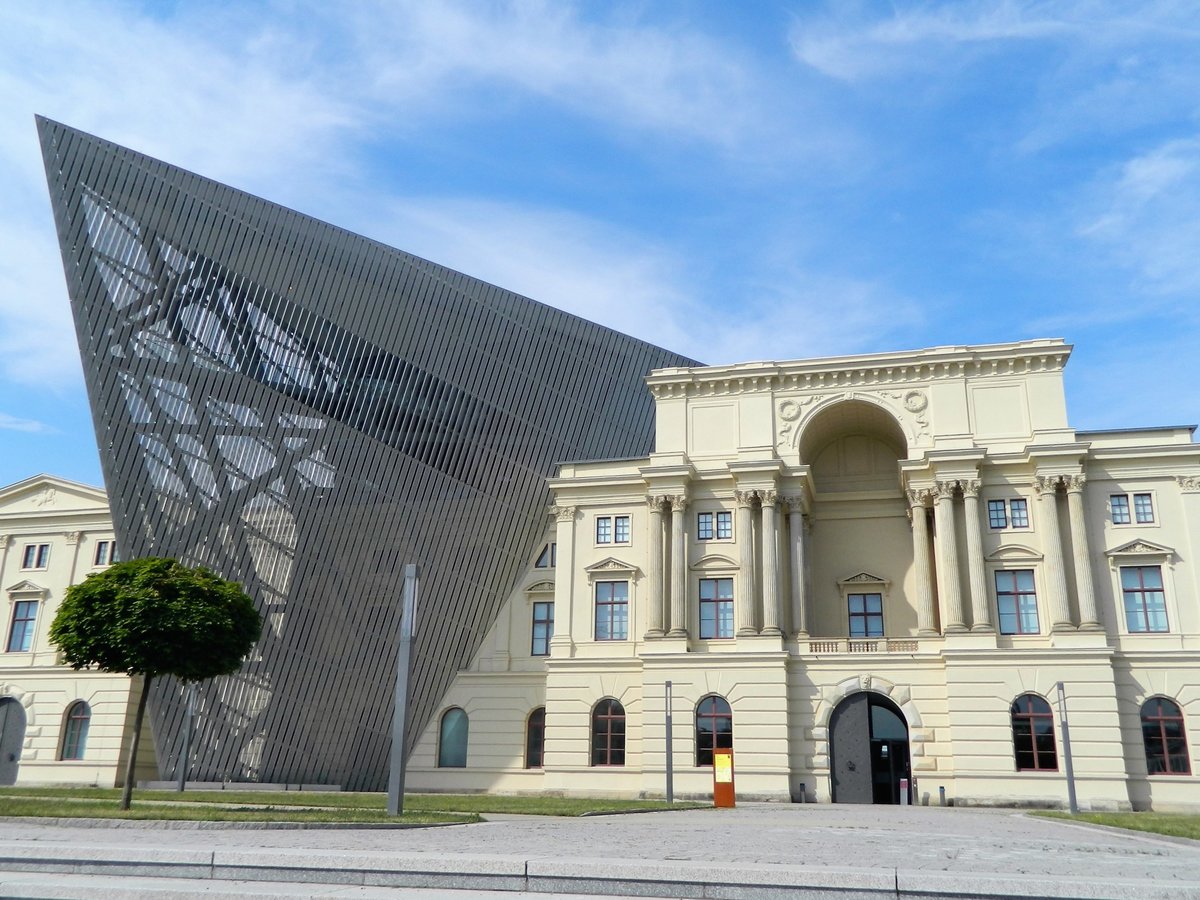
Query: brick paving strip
[[755, 851]]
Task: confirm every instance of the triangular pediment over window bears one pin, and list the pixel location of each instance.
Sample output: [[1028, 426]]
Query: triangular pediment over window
[[1141, 548], [862, 578], [613, 566], [26, 588]]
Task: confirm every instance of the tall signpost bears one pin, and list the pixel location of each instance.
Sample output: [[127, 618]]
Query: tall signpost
[[398, 760], [669, 749], [1066, 733]]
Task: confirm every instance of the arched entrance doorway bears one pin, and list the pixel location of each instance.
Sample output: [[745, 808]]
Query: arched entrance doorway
[[868, 750], [12, 736]]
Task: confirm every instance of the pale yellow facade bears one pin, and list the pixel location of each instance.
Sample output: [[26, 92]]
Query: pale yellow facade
[[922, 532], [54, 533]]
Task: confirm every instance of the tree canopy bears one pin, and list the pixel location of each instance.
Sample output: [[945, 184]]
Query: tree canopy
[[156, 617]]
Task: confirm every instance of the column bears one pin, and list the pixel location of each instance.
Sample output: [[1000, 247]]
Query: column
[[678, 568], [920, 522], [799, 568], [949, 592], [561, 643], [770, 558], [744, 600], [654, 569], [1046, 488], [1089, 618], [981, 607]]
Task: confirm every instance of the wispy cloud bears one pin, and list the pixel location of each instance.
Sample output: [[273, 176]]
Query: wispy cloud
[[12, 423]]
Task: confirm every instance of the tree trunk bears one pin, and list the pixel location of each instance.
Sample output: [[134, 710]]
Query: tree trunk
[[127, 794]]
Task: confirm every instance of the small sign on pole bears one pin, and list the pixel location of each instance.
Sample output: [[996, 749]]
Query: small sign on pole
[[723, 790]]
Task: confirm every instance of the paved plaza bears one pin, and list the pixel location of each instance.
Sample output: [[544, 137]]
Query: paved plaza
[[756, 850]]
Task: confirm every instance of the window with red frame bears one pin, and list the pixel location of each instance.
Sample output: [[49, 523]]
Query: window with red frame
[[1165, 738], [1033, 734], [608, 733]]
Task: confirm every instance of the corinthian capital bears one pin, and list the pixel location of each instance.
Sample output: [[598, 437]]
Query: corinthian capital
[[970, 487], [563, 513], [1046, 484], [1189, 484], [679, 502], [656, 502], [919, 497], [945, 490], [1074, 483], [745, 498], [768, 498]]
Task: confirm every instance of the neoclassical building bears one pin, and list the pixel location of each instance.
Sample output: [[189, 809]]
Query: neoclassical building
[[859, 572], [57, 725]]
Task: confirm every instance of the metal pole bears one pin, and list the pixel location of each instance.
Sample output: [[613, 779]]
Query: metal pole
[[670, 754], [1066, 733], [187, 736], [398, 760]]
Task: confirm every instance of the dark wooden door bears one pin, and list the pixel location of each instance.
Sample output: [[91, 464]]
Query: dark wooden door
[[850, 751]]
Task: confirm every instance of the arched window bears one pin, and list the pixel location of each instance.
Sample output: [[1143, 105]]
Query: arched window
[[1165, 738], [75, 729], [714, 728], [452, 740], [1033, 734], [535, 738], [608, 733]]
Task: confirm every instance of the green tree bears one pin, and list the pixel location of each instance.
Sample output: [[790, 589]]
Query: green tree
[[154, 617]]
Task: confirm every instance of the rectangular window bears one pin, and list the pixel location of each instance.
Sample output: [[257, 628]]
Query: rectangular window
[[104, 553], [1118, 505], [612, 610], [1016, 601], [20, 636], [604, 529], [1143, 509], [1145, 601], [866, 615], [724, 526], [620, 529], [543, 628], [716, 608], [36, 556], [1012, 513], [704, 527]]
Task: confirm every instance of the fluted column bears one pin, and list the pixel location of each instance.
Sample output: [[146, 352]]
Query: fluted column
[[799, 566], [562, 642], [1089, 617], [1046, 488], [947, 571], [678, 567], [981, 607], [654, 569], [744, 601], [770, 557], [926, 623]]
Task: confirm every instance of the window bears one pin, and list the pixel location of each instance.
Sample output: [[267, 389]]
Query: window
[[866, 615], [20, 636], [716, 608], [608, 734], [105, 553], [717, 525], [714, 728], [1165, 738], [548, 558], [1145, 602], [1143, 509], [612, 610], [452, 739], [535, 738], [543, 628], [1012, 513], [1033, 734], [75, 729], [612, 529], [36, 556], [1016, 601]]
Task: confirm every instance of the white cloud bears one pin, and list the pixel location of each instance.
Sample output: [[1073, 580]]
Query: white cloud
[[12, 423]]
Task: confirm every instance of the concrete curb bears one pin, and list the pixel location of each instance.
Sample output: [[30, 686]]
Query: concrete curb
[[202, 825], [629, 877]]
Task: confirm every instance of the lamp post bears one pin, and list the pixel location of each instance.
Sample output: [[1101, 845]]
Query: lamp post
[[397, 761]]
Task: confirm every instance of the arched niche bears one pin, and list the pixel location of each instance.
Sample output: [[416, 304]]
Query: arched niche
[[853, 445]]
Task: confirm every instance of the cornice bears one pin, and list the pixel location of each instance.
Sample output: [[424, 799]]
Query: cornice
[[903, 368]]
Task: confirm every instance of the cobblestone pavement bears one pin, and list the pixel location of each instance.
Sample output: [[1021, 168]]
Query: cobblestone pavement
[[965, 841]]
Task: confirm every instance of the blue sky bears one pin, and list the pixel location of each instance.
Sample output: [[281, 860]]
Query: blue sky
[[734, 181]]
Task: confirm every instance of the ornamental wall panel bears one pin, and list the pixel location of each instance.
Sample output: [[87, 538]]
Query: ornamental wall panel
[[307, 411]]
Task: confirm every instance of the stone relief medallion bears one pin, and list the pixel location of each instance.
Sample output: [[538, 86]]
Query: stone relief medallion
[[915, 401], [790, 412]]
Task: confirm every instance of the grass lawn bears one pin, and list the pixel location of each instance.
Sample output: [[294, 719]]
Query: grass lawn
[[18, 802], [1173, 824]]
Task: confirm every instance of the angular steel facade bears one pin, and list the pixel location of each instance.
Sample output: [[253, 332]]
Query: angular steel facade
[[305, 411]]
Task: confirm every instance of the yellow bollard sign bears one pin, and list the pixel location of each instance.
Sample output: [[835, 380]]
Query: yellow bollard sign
[[723, 792]]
